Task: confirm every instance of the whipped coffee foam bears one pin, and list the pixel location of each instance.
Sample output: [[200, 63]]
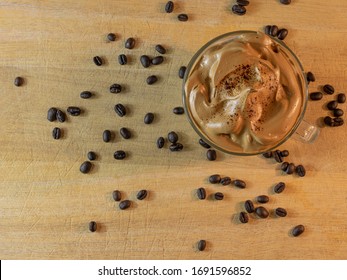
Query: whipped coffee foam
[[244, 93]]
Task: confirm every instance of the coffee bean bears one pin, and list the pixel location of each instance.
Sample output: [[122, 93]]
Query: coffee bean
[[160, 49], [86, 167], [310, 77], [160, 142], [151, 79], [56, 133], [178, 110], [201, 193], [286, 2], [169, 7], [92, 226], [267, 155], [282, 33], [125, 133], [284, 153], [74, 111], [18, 81], [148, 119], [290, 168], [262, 212], [284, 166], [338, 112], [281, 212], [157, 60], [240, 184], [119, 155], [317, 95], [215, 179], [145, 61], [267, 29], [182, 17], [130, 43], [243, 217], [279, 187], [300, 170], [111, 37], [91, 155], [122, 59], [328, 89], [262, 198], [238, 10], [337, 121], [249, 206], [218, 196], [225, 181], [120, 110], [97, 60], [60, 116], [117, 195], [332, 105], [176, 147], [106, 135], [328, 121], [124, 204], [115, 88], [277, 156], [274, 30], [52, 114], [341, 98], [182, 71], [298, 230], [201, 245], [172, 137], [141, 194], [86, 94], [211, 155], [204, 144], [242, 2]]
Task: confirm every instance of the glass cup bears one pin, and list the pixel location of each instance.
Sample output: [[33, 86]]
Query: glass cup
[[245, 93]]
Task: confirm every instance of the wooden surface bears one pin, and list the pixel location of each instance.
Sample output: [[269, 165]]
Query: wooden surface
[[46, 203]]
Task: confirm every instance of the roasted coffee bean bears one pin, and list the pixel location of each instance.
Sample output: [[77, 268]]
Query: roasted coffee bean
[[18, 81], [243, 217], [157, 60], [225, 181], [277, 156], [176, 147], [279, 187], [341, 98], [284, 153], [201, 245], [52, 114], [274, 30], [182, 17], [115, 88], [242, 2], [61, 116], [218, 196], [122, 59], [106, 135], [300, 170], [86, 94], [239, 183], [56, 133], [97, 60], [172, 137], [238, 10], [282, 33], [111, 37], [74, 111], [286, 2], [337, 121], [298, 230], [125, 133], [267, 155], [160, 142], [119, 155], [160, 49], [338, 112], [211, 155], [249, 206], [328, 121], [317, 95], [91, 155], [141, 194], [262, 212], [262, 198], [215, 179], [117, 195], [201, 193], [328, 89], [169, 7], [86, 167], [204, 144], [92, 226], [145, 61], [182, 71], [124, 204], [130, 43], [149, 118], [178, 110], [281, 212], [310, 77], [290, 168], [332, 105], [267, 29], [284, 166], [120, 110], [151, 79]]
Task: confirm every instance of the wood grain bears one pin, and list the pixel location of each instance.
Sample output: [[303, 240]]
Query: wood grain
[[46, 203]]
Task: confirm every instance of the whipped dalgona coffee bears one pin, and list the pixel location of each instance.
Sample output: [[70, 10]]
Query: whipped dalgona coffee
[[245, 92]]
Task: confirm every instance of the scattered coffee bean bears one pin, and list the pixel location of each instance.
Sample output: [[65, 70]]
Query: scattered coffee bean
[[97, 60], [201, 193], [182, 71], [124, 204], [145, 61], [52, 114], [328, 121], [91, 155], [92, 226], [157, 60], [310, 77], [243, 217], [151, 79], [120, 110], [267, 29], [262, 212], [160, 142], [282, 33], [176, 147], [328, 89], [56, 133], [341, 98], [274, 30], [267, 155], [86, 167], [281, 212], [338, 112], [125, 133], [284, 166], [122, 59], [211, 154], [215, 179], [149, 118], [169, 7], [279, 187], [86, 94], [286, 2], [201, 245], [225, 181], [249, 206], [317, 95], [111, 37], [218, 196], [298, 230], [238, 10], [172, 137], [290, 168], [284, 153], [337, 121], [74, 111], [119, 155], [178, 110], [130, 43], [115, 88], [239, 183], [242, 2], [300, 170], [142, 194], [117, 195], [18, 81], [277, 156], [160, 49], [262, 198], [106, 135], [60, 116], [182, 17], [204, 144], [332, 105]]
